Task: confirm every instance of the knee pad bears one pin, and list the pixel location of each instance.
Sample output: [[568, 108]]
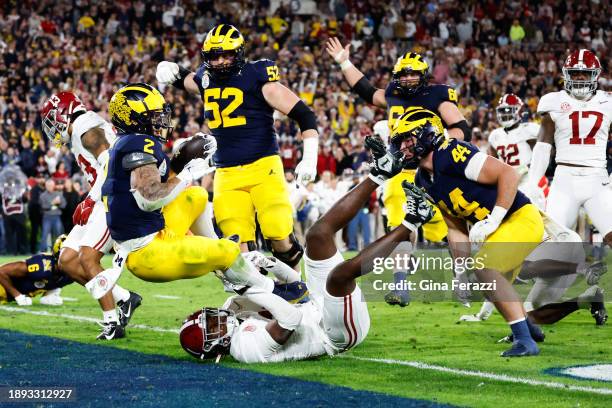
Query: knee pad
[[293, 256]]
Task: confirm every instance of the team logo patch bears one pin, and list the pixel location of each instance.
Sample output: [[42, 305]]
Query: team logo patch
[[596, 372], [565, 107], [205, 81]]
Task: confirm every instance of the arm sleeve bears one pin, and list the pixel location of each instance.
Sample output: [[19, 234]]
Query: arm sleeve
[[474, 166], [539, 162], [287, 315]]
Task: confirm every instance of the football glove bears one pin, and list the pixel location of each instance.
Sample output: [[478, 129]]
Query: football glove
[[306, 170], [417, 209], [482, 229], [195, 169], [384, 164], [23, 300], [83, 211], [167, 72]]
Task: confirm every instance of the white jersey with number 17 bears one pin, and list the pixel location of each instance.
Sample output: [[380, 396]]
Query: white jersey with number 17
[[581, 127]]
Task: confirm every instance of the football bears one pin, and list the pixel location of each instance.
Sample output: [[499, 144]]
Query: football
[[192, 148]]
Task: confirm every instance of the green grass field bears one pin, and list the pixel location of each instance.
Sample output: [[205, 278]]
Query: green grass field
[[387, 361]]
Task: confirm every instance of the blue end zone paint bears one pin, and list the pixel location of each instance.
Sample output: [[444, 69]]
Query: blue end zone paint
[[559, 372], [106, 376]]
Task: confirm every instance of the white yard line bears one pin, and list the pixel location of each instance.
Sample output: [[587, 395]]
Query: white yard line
[[413, 364], [81, 318], [167, 297], [485, 375]]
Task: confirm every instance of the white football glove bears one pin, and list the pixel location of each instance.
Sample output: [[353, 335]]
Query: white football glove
[[52, 298], [306, 170], [23, 300], [482, 229], [211, 144], [195, 169], [167, 72]]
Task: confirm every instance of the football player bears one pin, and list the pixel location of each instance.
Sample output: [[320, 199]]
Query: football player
[[577, 121], [409, 88], [66, 121], [513, 142], [148, 213], [239, 99], [22, 280], [470, 186], [334, 321]]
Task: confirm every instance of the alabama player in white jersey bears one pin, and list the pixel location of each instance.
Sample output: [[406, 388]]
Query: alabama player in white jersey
[[65, 120], [512, 143], [577, 121], [333, 321]]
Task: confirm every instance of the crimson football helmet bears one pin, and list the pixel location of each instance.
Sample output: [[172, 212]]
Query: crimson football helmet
[[584, 63], [57, 113], [508, 110], [207, 333]]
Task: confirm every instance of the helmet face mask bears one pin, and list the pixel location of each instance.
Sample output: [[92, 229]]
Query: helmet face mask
[[223, 40], [208, 332], [57, 115], [140, 108], [580, 73], [508, 110], [581, 82], [410, 64], [419, 142]]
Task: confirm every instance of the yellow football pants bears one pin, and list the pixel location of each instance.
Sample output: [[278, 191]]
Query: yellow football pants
[[173, 255], [394, 199], [3, 295], [505, 250], [259, 187]]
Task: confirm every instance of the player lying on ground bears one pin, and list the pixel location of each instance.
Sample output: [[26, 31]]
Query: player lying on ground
[[39, 274], [335, 320], [66, 121], [150, 213]]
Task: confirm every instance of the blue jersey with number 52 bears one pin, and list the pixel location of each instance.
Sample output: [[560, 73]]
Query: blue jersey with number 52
[[237, 113], [123, 216], [453, 192]]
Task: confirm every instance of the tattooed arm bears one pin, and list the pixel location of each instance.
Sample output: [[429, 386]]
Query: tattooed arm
[[149, 191]]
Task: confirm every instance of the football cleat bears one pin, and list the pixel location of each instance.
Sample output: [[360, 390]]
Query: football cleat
[[519, 349], [594, 272], [471, 318], [401, 298], [598, 308], [111, 331], [537, 335], [126, 309]]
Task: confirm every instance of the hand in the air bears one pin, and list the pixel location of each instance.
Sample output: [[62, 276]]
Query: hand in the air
[[384, 164], [167, 72], [336, 51]]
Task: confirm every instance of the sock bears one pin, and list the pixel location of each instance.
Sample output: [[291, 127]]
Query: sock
[[110, 316], [120, 294], [534, 329], [203, 225], [520, 330], [486, 310]]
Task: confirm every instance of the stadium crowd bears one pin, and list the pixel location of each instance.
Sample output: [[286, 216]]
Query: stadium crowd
[[482, 49]]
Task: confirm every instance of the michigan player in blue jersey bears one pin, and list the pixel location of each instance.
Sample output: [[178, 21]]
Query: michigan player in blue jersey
[[39, 274], [408, 88], [471, 187], [239, 99]]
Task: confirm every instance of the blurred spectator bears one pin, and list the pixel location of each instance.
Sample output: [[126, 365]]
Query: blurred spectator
[[52, 202], [35, 211], [60, 175], [72, 198], [517, 33], [14, 188]]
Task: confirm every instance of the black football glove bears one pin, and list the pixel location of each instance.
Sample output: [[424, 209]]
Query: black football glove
[[417, 208], [384, 164]]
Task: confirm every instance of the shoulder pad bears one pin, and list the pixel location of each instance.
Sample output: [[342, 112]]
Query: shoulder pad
[[266, 70], [445, 93], [137, 159], [548, 103]]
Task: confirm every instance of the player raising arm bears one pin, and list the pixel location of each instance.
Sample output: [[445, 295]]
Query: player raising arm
[[239, 98]]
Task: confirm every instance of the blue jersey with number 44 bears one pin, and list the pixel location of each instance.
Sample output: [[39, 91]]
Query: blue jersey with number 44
[[123, 216], [237, 113], [453, 192]]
